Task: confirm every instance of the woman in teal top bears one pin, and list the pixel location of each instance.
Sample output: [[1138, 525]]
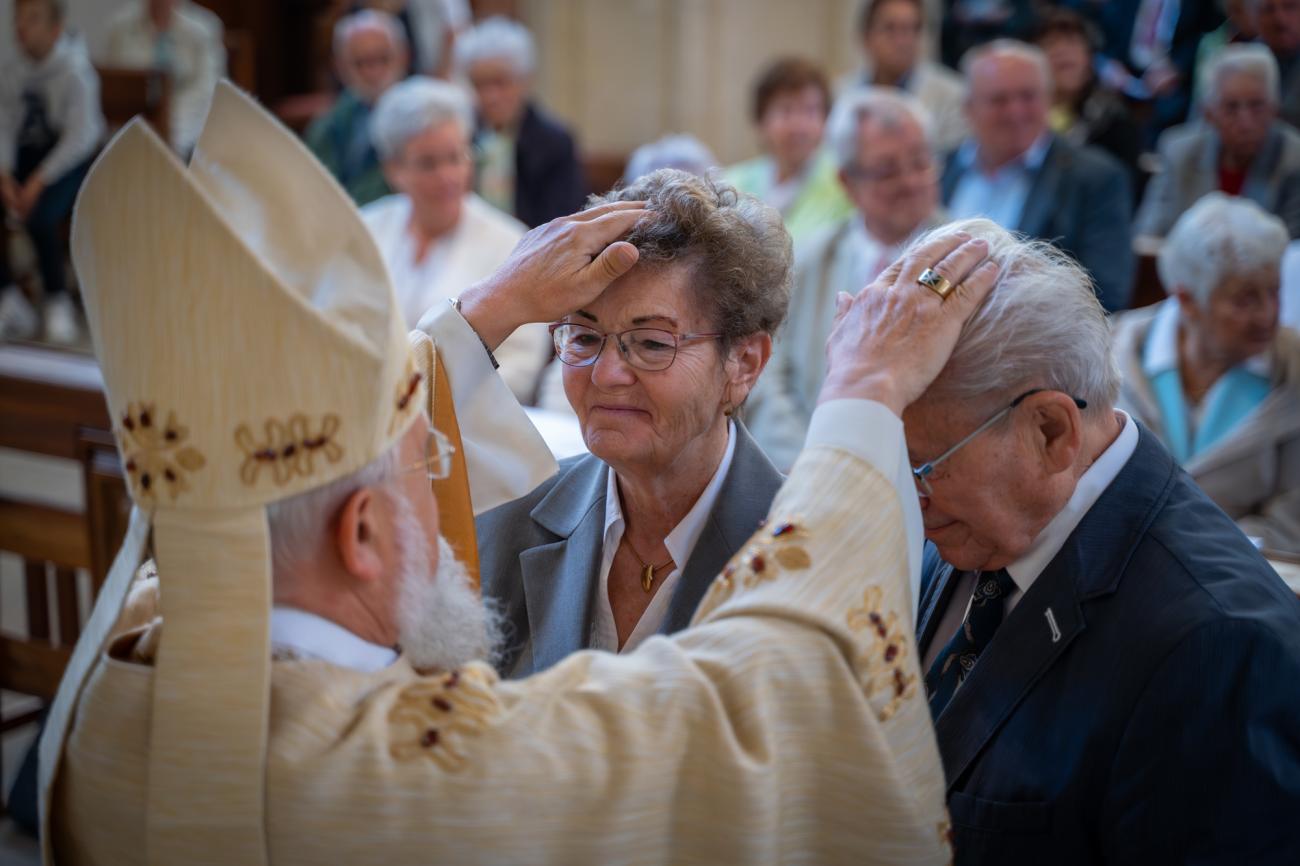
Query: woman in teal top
[[1212, 373], [794, 175]]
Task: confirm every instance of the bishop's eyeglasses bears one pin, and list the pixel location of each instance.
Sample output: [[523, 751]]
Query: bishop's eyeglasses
[[644, 348]]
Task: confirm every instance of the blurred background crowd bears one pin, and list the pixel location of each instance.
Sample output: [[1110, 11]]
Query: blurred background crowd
[[1152, 140]]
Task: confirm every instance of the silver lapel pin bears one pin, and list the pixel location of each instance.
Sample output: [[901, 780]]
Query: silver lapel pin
[[1051, 622]]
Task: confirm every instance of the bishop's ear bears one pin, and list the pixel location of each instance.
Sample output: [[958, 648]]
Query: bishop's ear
[[357, 537]]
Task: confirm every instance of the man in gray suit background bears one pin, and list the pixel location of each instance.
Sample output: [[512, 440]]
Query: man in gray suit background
[[1241, 149], [1017, 172]]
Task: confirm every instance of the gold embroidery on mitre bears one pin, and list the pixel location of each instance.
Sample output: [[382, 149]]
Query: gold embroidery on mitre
[[433, 718], [289, 448], [156, 455], [885, 679], [760, 561]]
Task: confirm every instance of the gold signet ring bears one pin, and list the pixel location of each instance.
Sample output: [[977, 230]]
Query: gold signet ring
[[935, 282]]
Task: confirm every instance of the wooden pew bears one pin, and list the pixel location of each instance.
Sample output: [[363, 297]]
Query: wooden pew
[[124, 93], [52, 404]]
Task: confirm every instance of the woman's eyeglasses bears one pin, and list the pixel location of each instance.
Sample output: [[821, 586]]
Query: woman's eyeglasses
[[643, 348]]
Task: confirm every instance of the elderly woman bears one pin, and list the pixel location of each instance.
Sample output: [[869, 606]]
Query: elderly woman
[[528, 164], [623, 542], [1242, 148], [435, 235], [1212, 373]]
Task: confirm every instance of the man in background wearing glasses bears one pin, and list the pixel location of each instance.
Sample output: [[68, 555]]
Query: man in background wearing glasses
[[1109, 662], [881, 142]]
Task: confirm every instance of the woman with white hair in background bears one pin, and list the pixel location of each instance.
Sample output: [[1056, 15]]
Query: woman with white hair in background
[[435, 235], [1212, 373], [1242, 148], [528, 163]]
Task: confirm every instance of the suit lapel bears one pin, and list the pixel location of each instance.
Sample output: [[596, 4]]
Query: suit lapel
[[1050, 616], [743, 501], [1042, 199], [558, 577]]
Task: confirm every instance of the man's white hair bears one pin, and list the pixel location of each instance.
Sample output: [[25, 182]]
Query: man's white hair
[[685, 152], [497, 38], [1218, 237], [410, 107], [367, 19], [300, 524], [1041, 327], [1006, 48], [887, 106], [1253, 59]]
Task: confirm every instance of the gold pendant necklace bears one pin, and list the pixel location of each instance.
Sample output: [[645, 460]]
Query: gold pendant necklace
[[647, 570]]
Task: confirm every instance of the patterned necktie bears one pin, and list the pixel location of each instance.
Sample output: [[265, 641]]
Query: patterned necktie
[[958, 657]]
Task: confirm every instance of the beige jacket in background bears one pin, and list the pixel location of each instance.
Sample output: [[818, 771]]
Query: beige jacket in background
[[1253, 473]]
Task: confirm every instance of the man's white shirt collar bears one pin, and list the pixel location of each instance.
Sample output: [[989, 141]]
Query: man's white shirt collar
[[300, 634], [1025, 570]]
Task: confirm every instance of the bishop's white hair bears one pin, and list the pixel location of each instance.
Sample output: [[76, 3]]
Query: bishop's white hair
[[1219, 236], [410, 107], [1041, 327]]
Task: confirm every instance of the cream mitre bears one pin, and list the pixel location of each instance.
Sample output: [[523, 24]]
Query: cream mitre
[[252, 349]]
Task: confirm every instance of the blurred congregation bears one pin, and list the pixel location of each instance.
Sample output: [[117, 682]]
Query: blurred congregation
[[1133, 166]]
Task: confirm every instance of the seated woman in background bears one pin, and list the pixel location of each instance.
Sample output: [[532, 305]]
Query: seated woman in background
[[1212, 373], [623, 542], [794, 175], [435, 235]]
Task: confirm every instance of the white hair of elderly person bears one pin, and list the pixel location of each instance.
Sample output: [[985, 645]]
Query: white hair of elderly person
[[1241, 148], [498, 57], [368, 75], [1212, 372], [880, 139], [681, 150], [436, 236]]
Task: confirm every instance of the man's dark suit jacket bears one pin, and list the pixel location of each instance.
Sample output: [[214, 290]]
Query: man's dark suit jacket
[[539, 556], [548, 176], [1080, 199], [1155, 718]]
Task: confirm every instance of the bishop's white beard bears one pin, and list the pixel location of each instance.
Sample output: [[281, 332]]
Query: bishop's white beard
[[442, 623]]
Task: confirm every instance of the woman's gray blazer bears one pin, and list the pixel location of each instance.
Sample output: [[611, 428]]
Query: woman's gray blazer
[[539, 556]]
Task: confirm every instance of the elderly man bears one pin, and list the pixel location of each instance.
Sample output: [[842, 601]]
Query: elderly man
[[1278, 24], [528, 162], [180, 38], [50, 126], [1102, 645], [285, 455], [890, 32], [1241, 149], [879, 139], [435, 235], [1015, 171], [370, 52]]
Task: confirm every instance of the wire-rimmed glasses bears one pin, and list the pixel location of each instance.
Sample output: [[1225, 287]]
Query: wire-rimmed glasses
[[644, 348], [921, 474], [436, 462]]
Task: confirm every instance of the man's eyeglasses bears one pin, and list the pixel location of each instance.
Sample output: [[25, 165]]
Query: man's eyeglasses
[[921, 474], [643, 348], [438, 452]]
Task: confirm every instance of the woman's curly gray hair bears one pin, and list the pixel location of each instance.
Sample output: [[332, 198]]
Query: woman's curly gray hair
[[736, 246]]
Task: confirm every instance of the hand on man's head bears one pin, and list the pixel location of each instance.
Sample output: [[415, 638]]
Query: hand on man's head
[[891, 342], [556, 268]]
